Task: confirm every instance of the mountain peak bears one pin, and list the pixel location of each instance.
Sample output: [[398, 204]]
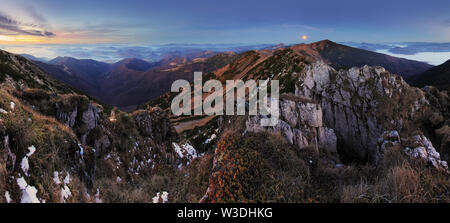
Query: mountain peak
[[342, 56], [135, 64], [61, 59], [325, 41]]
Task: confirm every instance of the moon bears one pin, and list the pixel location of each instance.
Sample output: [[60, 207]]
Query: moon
[[304, 37]]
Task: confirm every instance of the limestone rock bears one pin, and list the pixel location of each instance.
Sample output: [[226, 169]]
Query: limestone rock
[[67, 118], [421, 147], [418, 147], [327, 139], [154, 123], [91, 116], [300, 123], [359, 104]]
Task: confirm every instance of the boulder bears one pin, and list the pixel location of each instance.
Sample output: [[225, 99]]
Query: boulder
[[418, 147]]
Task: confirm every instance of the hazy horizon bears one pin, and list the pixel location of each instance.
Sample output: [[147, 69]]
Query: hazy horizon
[[111, 53]]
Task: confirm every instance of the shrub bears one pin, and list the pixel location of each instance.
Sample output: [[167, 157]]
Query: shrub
[[250, 171]]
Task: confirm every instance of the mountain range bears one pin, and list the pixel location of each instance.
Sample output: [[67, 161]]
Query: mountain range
[[131, 81]]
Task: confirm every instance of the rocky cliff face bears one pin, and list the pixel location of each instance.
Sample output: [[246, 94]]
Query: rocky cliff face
[[301, 124], [346, 111], [359, 104]]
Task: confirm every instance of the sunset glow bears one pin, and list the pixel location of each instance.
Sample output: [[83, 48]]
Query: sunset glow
[[24, 40], [6, 38]]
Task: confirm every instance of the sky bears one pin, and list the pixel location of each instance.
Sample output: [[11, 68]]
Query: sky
[[231, 21], [140, 22]]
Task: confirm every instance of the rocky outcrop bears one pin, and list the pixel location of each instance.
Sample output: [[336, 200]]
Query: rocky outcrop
[[421, 147], [347, 110], [79, 113], [301, 123], [418, 146], [359, 104], [102, 144], [67, 118], [154, 123], [10, 159], [91, 117]]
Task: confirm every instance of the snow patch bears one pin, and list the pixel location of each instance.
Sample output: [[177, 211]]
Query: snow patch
[[28, 192], [161, 198], [25, 165], [22, 183], [67, 179], [213, 136], [56, 178], [3, 111], [65, 193], [8, 197], [12, 105], [97, 196], [81, 150], [32, 149], [185, 150]]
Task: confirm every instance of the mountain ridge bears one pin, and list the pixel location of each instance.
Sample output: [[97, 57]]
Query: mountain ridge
[[339, 55], [438, 76], [115, 83], [131, 81]]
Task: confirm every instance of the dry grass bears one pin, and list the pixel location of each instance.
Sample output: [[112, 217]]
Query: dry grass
[[399, 179], [55, 145], [188, 125]]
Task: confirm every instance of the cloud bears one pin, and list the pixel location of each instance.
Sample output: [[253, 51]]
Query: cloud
[[49, 34], [5, 20], [12, 26]]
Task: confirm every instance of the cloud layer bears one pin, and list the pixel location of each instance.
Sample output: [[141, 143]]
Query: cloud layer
[[10, 26], [116, 52], [433, 53]]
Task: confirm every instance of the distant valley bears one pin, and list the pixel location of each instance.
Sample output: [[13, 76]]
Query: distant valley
[[131, 81]]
